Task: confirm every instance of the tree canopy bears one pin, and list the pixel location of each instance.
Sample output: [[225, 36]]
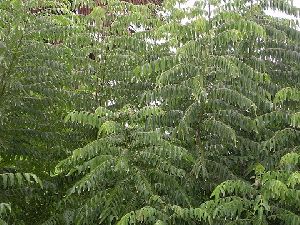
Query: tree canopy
[[145, 112]]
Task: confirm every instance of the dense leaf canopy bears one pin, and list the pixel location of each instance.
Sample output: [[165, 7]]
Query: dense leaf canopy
[[145, 112]]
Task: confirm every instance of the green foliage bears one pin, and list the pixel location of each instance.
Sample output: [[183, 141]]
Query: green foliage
[[12, 179], [175, 123], [273, 198], [131, 156]]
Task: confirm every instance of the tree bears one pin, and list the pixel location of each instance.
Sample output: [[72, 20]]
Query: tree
[[172, 113], [211, 100], [39, 84]]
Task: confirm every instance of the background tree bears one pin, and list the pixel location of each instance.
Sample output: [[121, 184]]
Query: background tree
[[40, 83]]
